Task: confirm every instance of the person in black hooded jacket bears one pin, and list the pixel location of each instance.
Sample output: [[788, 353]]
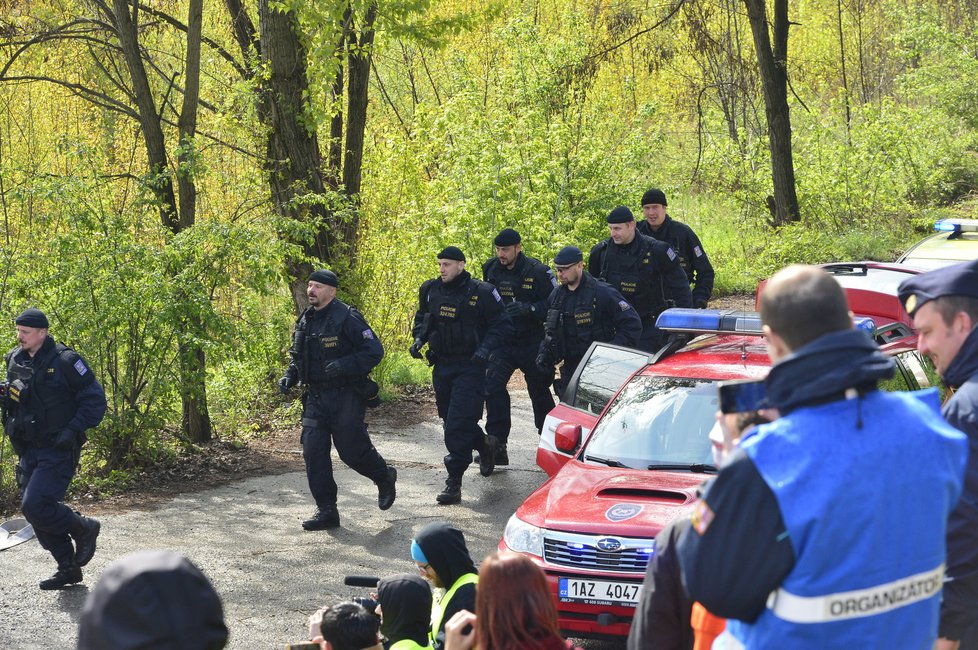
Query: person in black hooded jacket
[[442, 557], [405, 610]]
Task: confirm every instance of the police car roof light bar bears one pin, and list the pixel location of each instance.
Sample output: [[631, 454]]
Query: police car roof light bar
[[710, 321], [956, 225]]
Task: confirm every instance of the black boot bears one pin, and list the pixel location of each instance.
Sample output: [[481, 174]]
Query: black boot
[[323, 518], [452, 492], [387, 489], [502, 456], [85, 533], [69, 574], [487, 456]]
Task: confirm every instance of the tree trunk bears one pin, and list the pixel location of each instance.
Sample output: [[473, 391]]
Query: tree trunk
[[772, 64]]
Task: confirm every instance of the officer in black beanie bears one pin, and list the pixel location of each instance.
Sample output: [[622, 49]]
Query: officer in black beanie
[[463, 322], [659, 225], [524, 283], [333, 352], [52, 399], [646, 271]]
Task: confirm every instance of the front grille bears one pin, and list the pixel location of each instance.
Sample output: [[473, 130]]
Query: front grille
[[582, 552]]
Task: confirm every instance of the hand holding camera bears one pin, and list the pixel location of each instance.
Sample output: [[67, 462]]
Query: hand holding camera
[[460, 631]]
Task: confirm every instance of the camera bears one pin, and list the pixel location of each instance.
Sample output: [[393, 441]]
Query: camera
[[741, 396], [368, 603]]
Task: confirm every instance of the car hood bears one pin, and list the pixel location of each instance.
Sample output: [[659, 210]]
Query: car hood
[[604, 500]]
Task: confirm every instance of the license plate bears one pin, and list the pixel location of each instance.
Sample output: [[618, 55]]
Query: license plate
[[598, 592]]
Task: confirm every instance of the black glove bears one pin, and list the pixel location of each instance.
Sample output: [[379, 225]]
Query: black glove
[[700, 304], [285, 383], [67, 439], [415, 349], [481, 356], [332, 370], [515, 309], [545, 361]]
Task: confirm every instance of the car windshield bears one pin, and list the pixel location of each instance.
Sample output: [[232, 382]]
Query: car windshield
[[657, 421]]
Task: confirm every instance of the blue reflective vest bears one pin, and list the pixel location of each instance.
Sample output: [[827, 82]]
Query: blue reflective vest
[[864, 486]]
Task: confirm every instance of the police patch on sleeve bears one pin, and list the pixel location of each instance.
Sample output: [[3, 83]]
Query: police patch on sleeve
[[80, 368], [671, 253], [697, 251], [702, 517], [624, 305], [495, 294], [367, 334], [553, 280]]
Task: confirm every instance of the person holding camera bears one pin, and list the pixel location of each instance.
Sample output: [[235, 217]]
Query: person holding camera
[[442, 558], [515, 610], [52, 398], [404, 604], [794, 542], [580, 311], [463, 322], [344, 626], [333, 351]]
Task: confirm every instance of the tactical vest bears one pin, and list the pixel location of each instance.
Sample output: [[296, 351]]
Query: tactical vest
[[630, 270], [581, 324], [511, 283], [438, 611], [327, 343], [455, 331], [48, 406], [851, 586]]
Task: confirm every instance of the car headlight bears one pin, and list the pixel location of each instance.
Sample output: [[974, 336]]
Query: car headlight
[[522, 537]]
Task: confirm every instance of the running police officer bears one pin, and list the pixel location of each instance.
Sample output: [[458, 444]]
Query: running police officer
[[51, 399], [333, 351], [659, 225], [646, 271], [463, 322], [582, 310], [524, 284], [944, 306]]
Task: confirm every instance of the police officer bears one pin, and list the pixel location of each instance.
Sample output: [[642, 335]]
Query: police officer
[[815, 567], [333, 351], [659, 225], [524, 284], [646, 271], [52, 398], [463, 322], [580, 311], [944, 306]]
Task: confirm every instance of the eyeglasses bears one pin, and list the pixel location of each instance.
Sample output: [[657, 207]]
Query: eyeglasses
[[422, 568]]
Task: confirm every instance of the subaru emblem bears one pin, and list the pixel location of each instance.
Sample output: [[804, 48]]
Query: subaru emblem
[[609, 544]]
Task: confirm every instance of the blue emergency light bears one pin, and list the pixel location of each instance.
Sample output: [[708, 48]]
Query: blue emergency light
[[680, 319], [956, 225], [867, 324]]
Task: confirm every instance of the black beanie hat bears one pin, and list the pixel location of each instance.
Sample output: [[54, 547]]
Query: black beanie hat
[[324, 276], [452, 253], [621, 214], [654, 196], [569, 255], [507, 237], [32, 318]]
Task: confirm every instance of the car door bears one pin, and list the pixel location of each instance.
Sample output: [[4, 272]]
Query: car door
[[602, 371]]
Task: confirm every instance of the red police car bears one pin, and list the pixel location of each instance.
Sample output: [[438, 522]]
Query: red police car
[[617, 479]]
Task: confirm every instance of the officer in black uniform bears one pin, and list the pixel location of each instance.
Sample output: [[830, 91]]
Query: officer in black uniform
[[659, 225], [646, 271], [524, 283], [333, 351], [463, 322], [580, 311], [50, 400]]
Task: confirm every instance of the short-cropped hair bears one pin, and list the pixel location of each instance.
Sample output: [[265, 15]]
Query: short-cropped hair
[[803, 303]]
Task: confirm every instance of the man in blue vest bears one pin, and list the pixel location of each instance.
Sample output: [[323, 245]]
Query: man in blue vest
[[333, 351], [51, 398], [944, 306], [808, 538], [440, 553]]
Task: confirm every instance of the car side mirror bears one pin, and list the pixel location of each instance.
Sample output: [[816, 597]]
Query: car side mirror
[[567, 437]]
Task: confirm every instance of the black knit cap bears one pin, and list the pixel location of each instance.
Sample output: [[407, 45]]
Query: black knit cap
[[32, 318], [569, 255], [324, 276], [507, 237], [654, 196], [452, 253], [621, 214]]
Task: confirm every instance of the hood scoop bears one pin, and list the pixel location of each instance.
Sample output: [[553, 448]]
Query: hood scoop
[[643, 494]]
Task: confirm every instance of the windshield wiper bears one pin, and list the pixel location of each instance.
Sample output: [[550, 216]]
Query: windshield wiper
[[692, 467], [606, 461]]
